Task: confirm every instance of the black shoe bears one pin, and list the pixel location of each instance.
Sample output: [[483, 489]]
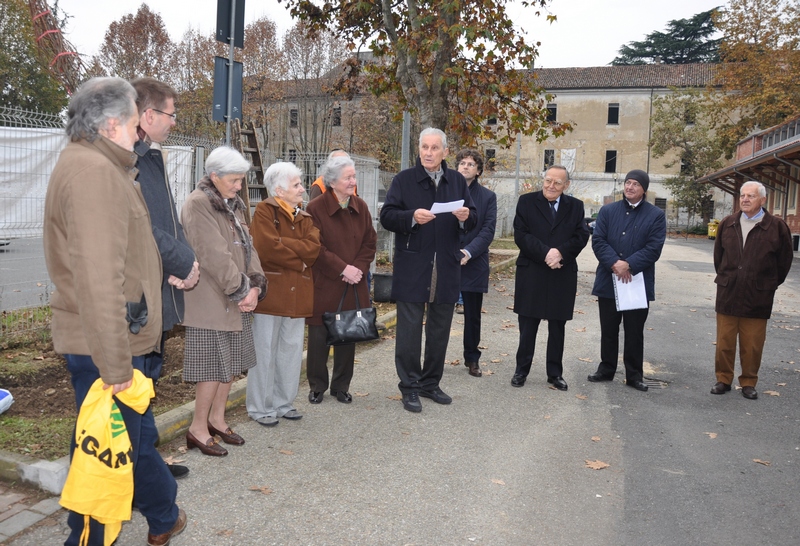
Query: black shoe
[[558, 382], [749, 393], [411, 402], [178, 471], [437, 395], [342, 396], [597, 377], [517, 380], [638, 384], [315, 397], [720, 388]]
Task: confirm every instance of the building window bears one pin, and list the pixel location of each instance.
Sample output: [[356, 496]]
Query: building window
[[337, 117], [293, 117], [549, 159], [552, 113], [611, 161], [684, 166], [490, 156], [492, 121], [613, 114], [792, 195], [293, 156], [661, 202]]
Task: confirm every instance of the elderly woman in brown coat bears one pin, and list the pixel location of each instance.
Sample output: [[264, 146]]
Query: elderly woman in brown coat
[[218, 320], [348, 242], [288, 244]]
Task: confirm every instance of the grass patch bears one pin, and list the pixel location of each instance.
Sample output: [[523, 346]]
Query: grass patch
[[506, 243], [45, 438], [22, 327]]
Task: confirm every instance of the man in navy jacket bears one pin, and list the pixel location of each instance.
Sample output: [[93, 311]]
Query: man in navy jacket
[[427, 265], [627, 240], [475, 263]]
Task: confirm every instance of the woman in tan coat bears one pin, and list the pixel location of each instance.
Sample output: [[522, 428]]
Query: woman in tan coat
[[288, 244], [219, 336], [348, 242]]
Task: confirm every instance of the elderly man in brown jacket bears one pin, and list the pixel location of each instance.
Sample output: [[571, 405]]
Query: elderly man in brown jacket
[[104, 263], [752, 257]]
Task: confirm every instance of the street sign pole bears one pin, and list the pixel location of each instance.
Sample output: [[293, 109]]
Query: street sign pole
[[229, 109]]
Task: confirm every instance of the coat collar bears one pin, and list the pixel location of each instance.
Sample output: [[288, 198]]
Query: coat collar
[[332, 203], [118, 155], [217, 201], [421, 175], [271, 202]]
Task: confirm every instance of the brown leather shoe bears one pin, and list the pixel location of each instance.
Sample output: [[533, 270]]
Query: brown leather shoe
[[474, 369], [209, 448], [749, 393], [163, 540], [720, 388], [229, 437]]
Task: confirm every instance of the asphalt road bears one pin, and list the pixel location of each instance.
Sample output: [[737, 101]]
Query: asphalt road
[[23, 275], [508, 466]]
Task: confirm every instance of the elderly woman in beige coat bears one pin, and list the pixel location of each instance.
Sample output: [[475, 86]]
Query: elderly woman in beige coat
[[219, 336]]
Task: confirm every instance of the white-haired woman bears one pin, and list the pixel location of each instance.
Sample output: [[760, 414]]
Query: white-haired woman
[[348, 242], [219, 337], [288, 244]]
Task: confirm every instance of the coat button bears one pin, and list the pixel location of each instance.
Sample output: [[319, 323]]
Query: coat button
[[292, 289], [623, 233]]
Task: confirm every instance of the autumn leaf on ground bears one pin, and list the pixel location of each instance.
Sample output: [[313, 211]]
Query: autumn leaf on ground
[[579, 312], [503, 354], [225, 533], [286, 452], [264, 489], [546, 416], [405, 433], [387, 337], [498, 482], [581, 396], [711, 435], [510, 307], [505, 320], [488, 372], [772, 393], [759, 461], [596, 465], [182, 449], [38, 358], [395, 397], [173, 460], [580, 329], [595, 438], [482, 347], [585, 359], [501, 288], [649, 328], [483, 310], [360, 394], [494, 360], [781, 384], [693, 310]]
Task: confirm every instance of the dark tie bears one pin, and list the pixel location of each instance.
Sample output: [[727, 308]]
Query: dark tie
[[553, 209]]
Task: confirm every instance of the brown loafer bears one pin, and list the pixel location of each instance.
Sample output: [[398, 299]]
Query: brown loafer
[[163, 539], [749, 393], [229, 437], [474, 369], [209, 448], [720, 388]]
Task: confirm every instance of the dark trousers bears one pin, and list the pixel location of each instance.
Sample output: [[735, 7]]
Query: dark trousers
[[153, 362], [473, 302], [154, 488], [317, 362], [528, 328], [633, 352], [408, 344]]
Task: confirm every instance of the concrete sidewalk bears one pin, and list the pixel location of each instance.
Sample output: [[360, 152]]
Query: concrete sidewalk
[[508, 466]]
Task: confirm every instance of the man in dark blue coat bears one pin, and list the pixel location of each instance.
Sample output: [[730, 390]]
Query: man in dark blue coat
[[427, 265], [475, 262], [550, 233], [156, 103], [627, 240]]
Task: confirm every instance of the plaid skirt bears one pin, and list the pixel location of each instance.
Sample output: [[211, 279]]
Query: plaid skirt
[[216, 355]]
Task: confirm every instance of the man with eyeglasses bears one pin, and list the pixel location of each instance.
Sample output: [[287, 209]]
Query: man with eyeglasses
[[627, 240], [156, 104], [550, 233], [475, 251]]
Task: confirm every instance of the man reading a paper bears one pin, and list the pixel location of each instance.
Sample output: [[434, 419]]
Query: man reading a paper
[[427, 264], [627, 241]]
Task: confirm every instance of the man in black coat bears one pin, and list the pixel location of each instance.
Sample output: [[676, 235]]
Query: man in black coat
[[550, 232], [427, 265], [156, 103]]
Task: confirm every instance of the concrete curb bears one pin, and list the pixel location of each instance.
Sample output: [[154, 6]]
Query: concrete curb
[[50, 476]]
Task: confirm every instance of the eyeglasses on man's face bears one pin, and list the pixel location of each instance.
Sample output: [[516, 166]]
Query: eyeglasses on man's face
[[173, 115], [553, 182]]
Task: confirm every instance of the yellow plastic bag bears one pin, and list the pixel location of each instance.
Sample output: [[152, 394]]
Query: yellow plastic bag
[[100, 479]]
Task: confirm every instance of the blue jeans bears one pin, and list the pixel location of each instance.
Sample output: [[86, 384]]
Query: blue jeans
[[154, 488]]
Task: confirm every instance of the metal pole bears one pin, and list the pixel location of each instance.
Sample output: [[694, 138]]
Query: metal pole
[[405, 152], [230, 75]]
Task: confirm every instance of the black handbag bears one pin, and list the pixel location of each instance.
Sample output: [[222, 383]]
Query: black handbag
[[350, 326]]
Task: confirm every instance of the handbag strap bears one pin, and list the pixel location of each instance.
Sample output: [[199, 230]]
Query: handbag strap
[[341, 302]]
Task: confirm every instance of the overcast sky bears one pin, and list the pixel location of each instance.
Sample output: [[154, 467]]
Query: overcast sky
[[588, 32]]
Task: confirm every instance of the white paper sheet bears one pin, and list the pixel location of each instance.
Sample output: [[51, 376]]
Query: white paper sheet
[[447, 207], [631, 295]]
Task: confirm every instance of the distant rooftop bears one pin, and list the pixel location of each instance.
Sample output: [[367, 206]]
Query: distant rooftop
[[630, 76]]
